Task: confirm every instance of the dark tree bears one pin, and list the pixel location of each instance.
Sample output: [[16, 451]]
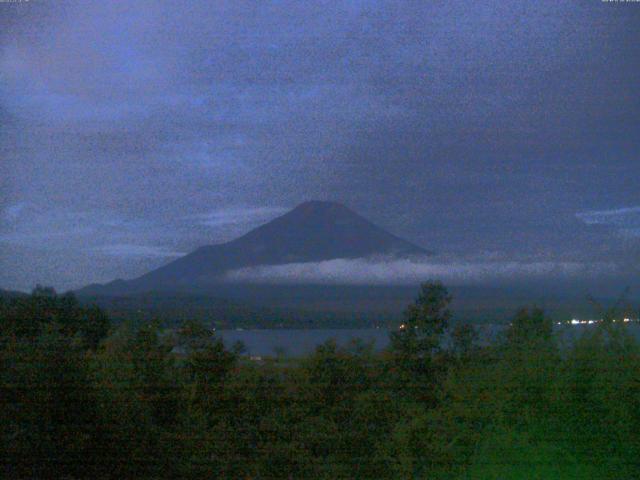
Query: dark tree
[[463, 339], [424, 322], [530, 327]]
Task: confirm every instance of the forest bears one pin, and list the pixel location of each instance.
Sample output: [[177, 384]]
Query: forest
[[82, 397]]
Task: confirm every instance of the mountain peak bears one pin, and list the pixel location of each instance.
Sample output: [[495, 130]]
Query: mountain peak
[[320, 211], [314, 231], [320, 205]]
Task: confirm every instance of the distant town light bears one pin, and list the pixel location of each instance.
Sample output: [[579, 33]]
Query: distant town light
[[577, 321]]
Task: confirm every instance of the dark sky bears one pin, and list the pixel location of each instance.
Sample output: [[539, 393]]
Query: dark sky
[[132, 132]]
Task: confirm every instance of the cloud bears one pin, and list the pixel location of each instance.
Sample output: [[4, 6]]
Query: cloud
[[37, 239], [610, 217], [626, 220], [238, 216], [411, 271], [128, 250], [30, 225], [13, 212], [38, 226], [461, 126]]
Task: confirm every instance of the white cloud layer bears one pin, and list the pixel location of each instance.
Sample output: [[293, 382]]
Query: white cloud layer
[[410, 271], [616, 216], [626, 221]]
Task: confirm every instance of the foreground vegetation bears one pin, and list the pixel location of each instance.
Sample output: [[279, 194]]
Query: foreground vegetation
[[81, 399]]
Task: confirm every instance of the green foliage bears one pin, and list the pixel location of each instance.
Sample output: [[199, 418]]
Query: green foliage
[[147, 403], [416, 345], [27, 317], [424, 321], [530, 328], [464, 338], [516, 455], [47, 407]]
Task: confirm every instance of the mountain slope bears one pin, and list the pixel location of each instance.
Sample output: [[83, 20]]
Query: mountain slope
[[311, 232]]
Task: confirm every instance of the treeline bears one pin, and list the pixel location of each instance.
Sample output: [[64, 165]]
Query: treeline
[[171, 311], [81, 399]]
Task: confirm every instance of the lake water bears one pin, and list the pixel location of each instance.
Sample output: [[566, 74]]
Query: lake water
[[299, 342]]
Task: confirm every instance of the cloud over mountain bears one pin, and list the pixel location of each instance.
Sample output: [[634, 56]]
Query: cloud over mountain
[[413, 271]]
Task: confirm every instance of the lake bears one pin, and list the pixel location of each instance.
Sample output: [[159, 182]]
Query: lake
[[300, 342]]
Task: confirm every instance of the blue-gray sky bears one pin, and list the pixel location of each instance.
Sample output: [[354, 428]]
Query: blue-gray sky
[[132, 132]]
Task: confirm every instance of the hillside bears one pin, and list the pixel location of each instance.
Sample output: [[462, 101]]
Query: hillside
[[311, 232]]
